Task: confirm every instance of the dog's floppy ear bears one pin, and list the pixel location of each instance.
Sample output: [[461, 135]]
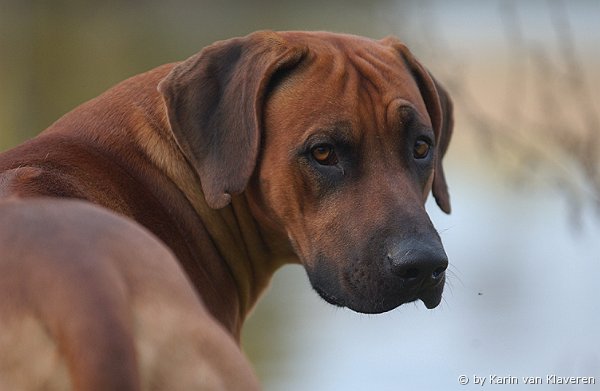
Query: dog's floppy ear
[[440, 187], [440, 110], [214, 102]]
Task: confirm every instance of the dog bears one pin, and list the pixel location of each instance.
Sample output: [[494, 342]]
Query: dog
[[139, 230]]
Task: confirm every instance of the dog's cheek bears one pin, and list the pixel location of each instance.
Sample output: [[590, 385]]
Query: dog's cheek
[[283, 194], [325, 279]]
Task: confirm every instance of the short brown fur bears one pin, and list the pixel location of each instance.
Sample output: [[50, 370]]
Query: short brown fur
[[212, 157]]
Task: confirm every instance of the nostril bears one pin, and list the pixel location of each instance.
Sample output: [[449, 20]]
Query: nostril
[[437, 273]]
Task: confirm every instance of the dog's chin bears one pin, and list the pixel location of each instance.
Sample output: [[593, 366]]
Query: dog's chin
[[375, 306], [381, 295], [335, 300], [431, 299]]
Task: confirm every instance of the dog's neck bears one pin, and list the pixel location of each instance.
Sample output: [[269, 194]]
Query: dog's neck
[[250, 252]]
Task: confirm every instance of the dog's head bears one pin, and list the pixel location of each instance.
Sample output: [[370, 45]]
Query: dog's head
[[339, 139]]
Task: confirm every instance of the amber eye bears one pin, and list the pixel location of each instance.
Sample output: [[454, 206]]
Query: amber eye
[[324, 154], [421, 149]]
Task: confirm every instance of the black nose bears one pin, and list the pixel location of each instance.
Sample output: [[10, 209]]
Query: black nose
[[418, 261]]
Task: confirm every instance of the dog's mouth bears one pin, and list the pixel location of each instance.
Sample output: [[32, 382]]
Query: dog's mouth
[[431, 302], [377, 301], [373, 287], [328, 297], [432, 297]]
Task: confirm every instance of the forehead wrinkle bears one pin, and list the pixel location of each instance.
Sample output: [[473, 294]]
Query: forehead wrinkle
[[330, 73], [369, 93], [381, 69], [400, 114], [365, 71], [341, 73], [386, 76], [390, 77]]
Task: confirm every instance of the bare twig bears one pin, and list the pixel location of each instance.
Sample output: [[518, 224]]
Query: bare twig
[[549, 123]]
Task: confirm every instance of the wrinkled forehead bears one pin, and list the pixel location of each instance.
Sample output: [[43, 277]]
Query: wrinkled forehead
[[349, 76]]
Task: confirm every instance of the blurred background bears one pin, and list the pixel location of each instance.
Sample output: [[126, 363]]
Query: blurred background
[[523, 170]]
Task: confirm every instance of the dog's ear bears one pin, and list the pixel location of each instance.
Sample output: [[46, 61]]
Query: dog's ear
[[440, 110], [214, 102], [440, 187]]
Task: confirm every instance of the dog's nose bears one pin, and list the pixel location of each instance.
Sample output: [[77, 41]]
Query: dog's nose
[[418, 262]]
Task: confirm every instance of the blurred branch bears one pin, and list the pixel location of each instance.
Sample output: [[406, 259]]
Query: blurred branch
[[549, 124], [587, 152]]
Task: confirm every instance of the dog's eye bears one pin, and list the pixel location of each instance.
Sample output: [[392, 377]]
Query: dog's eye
[[324, 154], [421, 149]]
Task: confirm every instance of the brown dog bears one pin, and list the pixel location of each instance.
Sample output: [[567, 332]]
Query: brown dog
[[315, 148]]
